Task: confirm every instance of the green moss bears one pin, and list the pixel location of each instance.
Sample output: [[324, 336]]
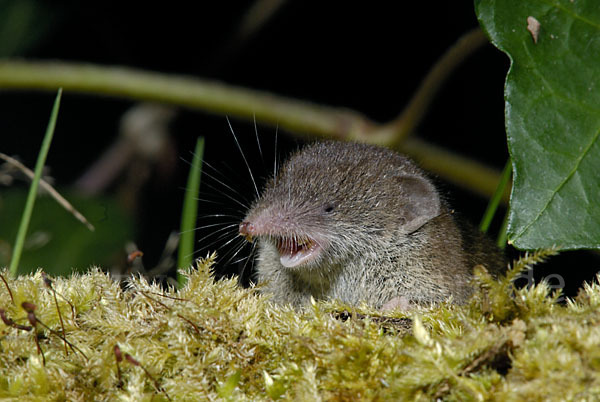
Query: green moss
[[213, 340]]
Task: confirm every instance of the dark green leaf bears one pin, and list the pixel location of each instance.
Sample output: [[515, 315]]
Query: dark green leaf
[[552, 98]]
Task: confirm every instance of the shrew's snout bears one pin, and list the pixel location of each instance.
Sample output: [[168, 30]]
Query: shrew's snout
[[247, 230]]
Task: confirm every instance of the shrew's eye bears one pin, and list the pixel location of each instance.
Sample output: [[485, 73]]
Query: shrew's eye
[[328, 208]]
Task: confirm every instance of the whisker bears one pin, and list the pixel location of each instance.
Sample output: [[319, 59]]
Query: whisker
[[217, 231], [257, 140], [234, 212], [209, 226], [206, 216], [218, 240], [275, 158], [233, 190], [220, 204], [250, 260], [204, 164], [243, 156], [221, 182], [240, 260], [229, 196], [239, 248], [233, 239]]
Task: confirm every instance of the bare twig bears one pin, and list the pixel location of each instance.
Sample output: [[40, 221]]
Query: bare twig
[[136, 363], [118, 359], [33, 320], [8, 288], [417, 107], [46, 186], [290, 114]]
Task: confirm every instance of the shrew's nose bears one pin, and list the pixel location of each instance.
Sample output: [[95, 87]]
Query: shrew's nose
[[247, 230]]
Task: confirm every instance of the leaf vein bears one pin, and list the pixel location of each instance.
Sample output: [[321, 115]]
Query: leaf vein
[[562, 183], [573, 14]]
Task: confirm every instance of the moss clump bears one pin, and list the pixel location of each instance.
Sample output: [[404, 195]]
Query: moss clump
[[213, 340]]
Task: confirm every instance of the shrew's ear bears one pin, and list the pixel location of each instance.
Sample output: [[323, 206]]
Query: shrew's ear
[[421, 202]]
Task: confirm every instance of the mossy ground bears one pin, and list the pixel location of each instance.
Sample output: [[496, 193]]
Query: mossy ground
[[212, 340]]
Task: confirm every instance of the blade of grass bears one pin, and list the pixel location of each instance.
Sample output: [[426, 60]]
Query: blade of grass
[[495, 200], [502, 235], [190, 211], [24, 225]]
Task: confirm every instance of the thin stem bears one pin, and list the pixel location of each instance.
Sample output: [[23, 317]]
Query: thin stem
[[412, 114], [495, 200], [46, 186]]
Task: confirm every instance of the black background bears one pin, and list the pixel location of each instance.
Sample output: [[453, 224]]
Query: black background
[[369, 57]]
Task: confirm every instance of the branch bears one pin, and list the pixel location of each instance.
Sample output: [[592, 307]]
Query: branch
[[290, 114], [413, 113], [194, 93], [46, 186]]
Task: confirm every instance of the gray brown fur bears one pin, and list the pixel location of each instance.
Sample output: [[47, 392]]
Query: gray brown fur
[[390, 234]]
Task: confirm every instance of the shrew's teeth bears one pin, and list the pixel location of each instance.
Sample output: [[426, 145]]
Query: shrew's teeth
[[291, 245], [304, 242]]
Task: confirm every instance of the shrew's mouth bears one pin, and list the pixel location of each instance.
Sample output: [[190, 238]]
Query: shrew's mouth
[[294, 251]]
